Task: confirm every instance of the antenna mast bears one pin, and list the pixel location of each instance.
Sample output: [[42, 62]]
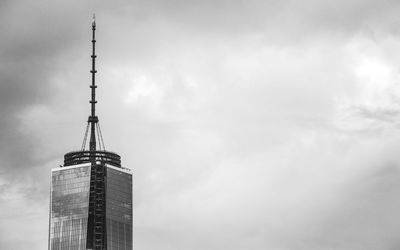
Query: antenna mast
[[93, 120]]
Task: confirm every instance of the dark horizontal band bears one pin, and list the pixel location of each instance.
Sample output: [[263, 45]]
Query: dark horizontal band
[[79, 157], [93, 119]]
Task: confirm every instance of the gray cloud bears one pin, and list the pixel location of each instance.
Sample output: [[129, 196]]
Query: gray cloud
[[234, 116]]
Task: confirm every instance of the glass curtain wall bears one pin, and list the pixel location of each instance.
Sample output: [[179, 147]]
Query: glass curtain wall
[[119, 209], [69, 202]]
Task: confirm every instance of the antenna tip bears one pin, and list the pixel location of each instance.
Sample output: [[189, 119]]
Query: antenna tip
[[94, 20]]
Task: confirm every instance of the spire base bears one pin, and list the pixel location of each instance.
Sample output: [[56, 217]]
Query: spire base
[[93, 119]]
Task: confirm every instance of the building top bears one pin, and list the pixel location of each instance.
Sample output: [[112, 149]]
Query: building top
[[88, 164], [96, 151], [79, 157]]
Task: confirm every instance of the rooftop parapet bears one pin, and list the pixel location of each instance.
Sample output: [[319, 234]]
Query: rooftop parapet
[[79, 157]]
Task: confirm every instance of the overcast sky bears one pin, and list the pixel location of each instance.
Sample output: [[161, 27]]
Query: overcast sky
[[249, 125]]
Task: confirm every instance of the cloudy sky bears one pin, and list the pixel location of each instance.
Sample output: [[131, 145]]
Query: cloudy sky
[[249, 125]]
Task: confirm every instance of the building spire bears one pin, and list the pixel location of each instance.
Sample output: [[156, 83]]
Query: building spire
[[93, 118], [94, 20], [93, 121]]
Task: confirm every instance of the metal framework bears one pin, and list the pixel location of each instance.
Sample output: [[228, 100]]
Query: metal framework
[[79, 157], [96, 229]]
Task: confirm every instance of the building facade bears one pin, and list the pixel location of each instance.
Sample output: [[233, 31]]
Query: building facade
[[91, 193], [69, 206]]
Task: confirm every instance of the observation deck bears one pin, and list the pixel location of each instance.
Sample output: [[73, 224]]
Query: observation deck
[[79, 157]]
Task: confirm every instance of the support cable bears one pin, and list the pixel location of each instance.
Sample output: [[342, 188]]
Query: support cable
[[98, 135], [101, 137], [85, 138]]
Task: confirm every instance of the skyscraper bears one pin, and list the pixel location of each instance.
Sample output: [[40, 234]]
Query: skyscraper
[[91, 194]]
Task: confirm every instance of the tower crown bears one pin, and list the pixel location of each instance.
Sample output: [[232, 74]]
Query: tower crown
[[96, 151]]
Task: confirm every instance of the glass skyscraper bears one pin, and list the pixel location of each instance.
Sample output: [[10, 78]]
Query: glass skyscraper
[[69, 206], [91, 194]]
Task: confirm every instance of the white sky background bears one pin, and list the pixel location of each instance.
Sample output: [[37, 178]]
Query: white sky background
[[249, 124]]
